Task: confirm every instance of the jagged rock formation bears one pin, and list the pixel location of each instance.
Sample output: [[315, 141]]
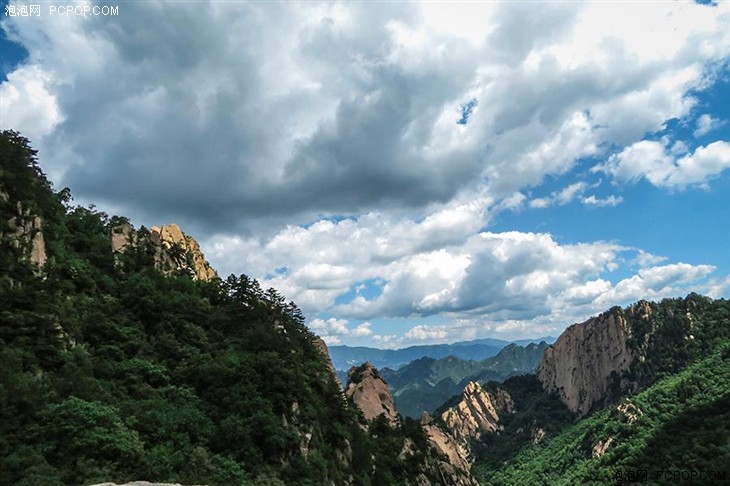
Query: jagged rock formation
[[370, 393], [477, 413], [173, 249], [172, 239], [26, 233], [582, 364], [322, 348], [446, 445]]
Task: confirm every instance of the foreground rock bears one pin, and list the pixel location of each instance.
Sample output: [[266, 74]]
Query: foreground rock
[[370, 393]]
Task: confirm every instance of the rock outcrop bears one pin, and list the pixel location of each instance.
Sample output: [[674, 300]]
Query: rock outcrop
[[322, 348], [627, 412], [446, 445], [477, 413], [369, 392], [174, 241], [173, 250], [586, 359], [26, 234]]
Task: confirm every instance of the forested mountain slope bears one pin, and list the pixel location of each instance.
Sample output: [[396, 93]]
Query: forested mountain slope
[[124, 357], [611, 394]]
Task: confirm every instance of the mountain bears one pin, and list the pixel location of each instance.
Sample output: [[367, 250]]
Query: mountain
[[344, 357], [426, 383], [610, 396], [125, 357], [681, 421], [525, 342]]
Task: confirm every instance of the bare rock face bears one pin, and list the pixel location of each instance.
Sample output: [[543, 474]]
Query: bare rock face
[[369, 392], [445, 443], [174, 250], [123, 236], [27, 233], [456, 470], [322, 348], [579, 366], [171, 238], [476, 413]]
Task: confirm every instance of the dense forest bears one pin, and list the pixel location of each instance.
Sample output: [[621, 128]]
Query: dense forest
[[112, 371]]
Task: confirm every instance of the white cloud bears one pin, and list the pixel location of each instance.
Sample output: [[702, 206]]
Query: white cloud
[[719, 288], [705, 163], [651, 160], [27, 103], [657, 278], [655, 283], [562, 197], [706, 123], [609, 201], [330, 326], [485, 277], [573, 192], [281, 116], [337, 328], [645, 259], [426, 333]]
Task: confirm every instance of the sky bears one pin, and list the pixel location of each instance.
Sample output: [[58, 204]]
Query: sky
[[407, 173]]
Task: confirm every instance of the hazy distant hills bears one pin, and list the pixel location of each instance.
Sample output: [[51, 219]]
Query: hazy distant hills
[[344, 357], [426, 383]]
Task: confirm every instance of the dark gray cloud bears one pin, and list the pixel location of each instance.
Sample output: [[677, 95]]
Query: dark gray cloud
[[209, 113]]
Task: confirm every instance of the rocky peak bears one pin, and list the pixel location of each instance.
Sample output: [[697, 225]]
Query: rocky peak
[[477, 413], [174, 250], [181, 247], [369, 392], [582, 364]]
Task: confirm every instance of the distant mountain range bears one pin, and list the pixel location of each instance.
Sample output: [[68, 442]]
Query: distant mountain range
[[344, 357], [426, 383]]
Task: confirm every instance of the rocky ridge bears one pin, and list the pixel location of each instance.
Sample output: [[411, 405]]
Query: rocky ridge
[[173, 249], [477, 413], [582, 364], [322, 348]]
